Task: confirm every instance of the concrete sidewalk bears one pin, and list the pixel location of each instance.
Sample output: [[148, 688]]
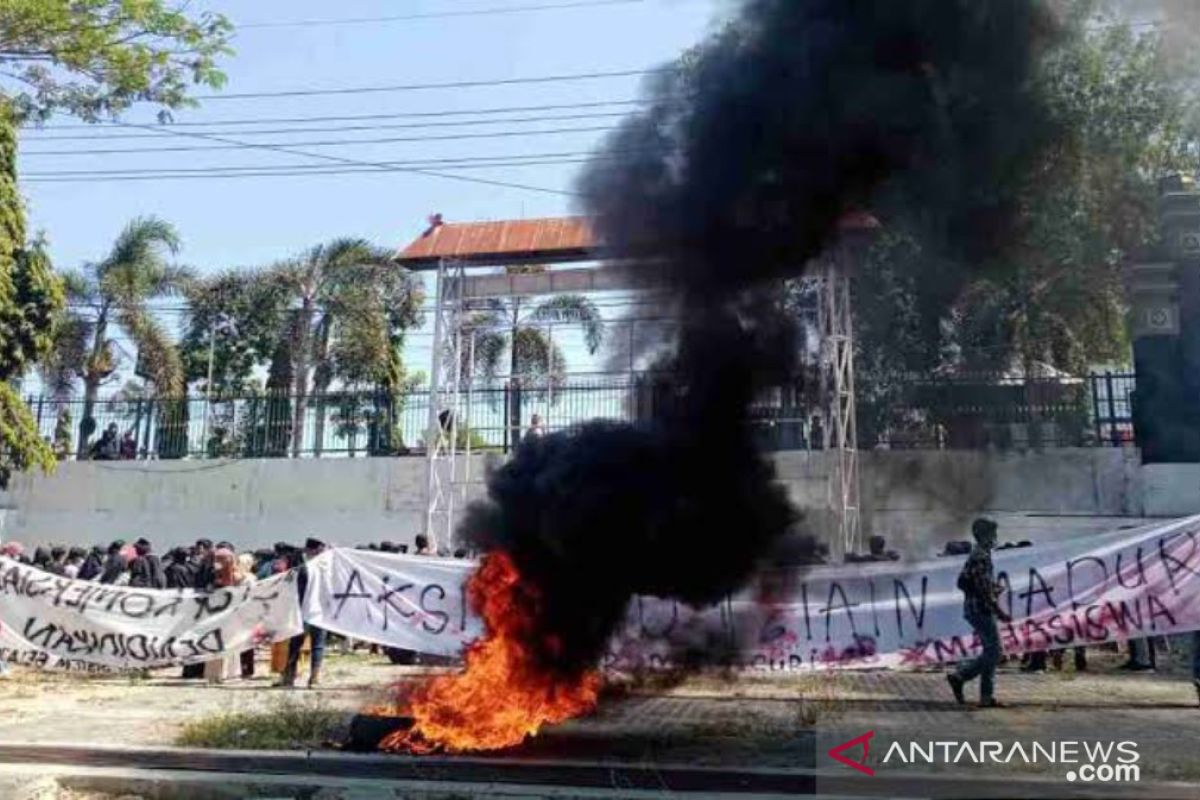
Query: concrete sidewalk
[[759, 721]]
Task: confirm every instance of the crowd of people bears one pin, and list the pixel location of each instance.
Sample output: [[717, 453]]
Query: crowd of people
[[205, 566]]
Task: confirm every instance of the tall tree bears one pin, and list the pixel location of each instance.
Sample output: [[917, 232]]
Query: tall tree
[[89, 59], [349, 310], [514, 335], [30, 296], [95, 58], [1125, 117], [232, 325], [115, 293]]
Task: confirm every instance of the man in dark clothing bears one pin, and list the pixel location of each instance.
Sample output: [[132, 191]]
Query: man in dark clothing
[[977, 582], [312, 549], [178, 572], [203, 578], [202, 566], [114, 564], [146, 571], [107, 447], [93, 565]]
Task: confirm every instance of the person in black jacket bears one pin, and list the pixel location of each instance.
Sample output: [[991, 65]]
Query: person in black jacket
[[115, 564], [178, 572], [981, 608], [93, 565], [146, 571]]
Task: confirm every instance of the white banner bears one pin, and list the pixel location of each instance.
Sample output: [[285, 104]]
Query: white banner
[[55, 622], [1086, 590], [410, 602]]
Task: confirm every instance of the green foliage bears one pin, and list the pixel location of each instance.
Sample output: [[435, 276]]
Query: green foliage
[[288, 725], [515, 334], [337, 313], [94, 58], [30, 296], [1056, 299], [237, 316], [115, 292], [21, 448]]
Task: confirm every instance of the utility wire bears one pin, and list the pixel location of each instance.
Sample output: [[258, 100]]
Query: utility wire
[[411, 87], [515, 158], [238, 145], [477, 12], [298, 173], [38, 129], [354, 162], [106, 137]]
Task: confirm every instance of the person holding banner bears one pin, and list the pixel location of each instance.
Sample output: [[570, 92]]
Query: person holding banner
[[977, 582], [312, 549]]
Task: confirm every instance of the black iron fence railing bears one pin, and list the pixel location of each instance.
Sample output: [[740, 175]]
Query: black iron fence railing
[[974, 412]]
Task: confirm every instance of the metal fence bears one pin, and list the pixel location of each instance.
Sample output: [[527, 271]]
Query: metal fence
[[960, 412], [989, 411]]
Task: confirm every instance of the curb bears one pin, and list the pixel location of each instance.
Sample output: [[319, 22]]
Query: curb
[[683, 778]]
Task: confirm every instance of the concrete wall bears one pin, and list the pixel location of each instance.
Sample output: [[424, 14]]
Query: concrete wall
[[918, 499], [249, 502]]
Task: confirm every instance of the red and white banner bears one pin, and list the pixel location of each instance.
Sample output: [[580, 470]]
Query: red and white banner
[[1087, 590]]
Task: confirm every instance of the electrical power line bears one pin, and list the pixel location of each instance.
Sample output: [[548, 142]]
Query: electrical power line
[[515, 158], [321, 169], [411, 87], [477, 12], [297, 173], [315, 143], [38, 129], [347, 128], [355, 162]]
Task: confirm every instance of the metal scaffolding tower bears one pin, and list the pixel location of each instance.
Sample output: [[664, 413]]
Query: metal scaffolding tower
[[441, 435], [835, 322]]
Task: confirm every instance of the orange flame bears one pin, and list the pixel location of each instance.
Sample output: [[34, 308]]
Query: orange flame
[[503, 695]]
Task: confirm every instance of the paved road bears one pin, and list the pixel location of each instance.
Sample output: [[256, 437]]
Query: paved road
[[761, 720]]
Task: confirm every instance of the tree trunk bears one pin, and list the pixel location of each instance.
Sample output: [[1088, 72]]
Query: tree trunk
[[91, 384], [514, 383], [301, 376], [87, 425], [321, 380]]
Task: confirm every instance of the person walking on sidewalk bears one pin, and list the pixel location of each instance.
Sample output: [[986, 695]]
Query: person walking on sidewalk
[[977, 582]]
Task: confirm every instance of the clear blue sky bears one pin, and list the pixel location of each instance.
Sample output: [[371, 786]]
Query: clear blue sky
[[252, 221]]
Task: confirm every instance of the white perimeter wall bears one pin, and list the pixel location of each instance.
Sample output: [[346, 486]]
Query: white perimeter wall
[[918, 499]]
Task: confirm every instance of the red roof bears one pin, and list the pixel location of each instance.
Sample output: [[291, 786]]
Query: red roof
[[527, 241]]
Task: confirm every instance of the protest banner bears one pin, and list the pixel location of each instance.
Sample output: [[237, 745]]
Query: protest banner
[[411, 602], [55, 622], [1086, 590]]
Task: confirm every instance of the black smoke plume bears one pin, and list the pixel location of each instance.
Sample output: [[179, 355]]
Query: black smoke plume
[[752, 148]]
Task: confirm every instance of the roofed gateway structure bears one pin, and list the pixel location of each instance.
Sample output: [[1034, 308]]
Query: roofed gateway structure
[[551, 240], [480, 260], [476, 261]]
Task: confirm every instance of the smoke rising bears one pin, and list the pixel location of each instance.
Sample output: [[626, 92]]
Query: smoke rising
[[753, 147]]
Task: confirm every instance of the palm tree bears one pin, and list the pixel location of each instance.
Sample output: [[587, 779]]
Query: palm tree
[[351, 307], [514, 332], [115, 293]]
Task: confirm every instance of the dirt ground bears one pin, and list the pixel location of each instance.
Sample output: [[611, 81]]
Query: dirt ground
[[759, 719]]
